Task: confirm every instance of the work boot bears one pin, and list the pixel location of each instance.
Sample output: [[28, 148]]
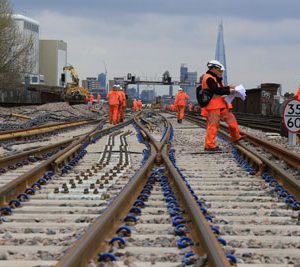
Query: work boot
[[178, 120]]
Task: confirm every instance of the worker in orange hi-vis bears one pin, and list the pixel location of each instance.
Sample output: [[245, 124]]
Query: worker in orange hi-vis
[[91, 100], [139, 104], [217, 109], [122, 105], [98, 98], [190, 107], [113, 102], [180, 101], [172, 107], [134, 105]]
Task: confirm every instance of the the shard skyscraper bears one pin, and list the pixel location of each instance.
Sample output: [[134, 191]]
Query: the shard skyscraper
[[220, 51]]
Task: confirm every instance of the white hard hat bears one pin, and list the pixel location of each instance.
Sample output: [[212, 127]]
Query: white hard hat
[[215, 63], [180, 89]]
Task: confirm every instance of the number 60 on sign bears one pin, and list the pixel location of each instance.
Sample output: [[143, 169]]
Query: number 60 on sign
[[291, 116]]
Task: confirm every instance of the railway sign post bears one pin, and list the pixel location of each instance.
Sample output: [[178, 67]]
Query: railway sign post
[[291, 118]]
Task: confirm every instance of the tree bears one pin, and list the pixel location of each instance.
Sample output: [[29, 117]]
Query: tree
[[15, 49]]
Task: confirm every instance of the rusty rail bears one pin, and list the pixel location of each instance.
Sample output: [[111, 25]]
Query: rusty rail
[[93, 241], [17, 186], [23, 155], [19, 134], [200, 226], [293, 159]]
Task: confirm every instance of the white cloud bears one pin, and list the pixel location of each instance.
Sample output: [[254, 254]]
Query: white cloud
[[256, 51]]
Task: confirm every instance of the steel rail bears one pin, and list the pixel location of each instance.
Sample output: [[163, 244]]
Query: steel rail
[[18, 185], [93, 240], [5, 161], [284, 178], [289, 157], [200, 227], [19, 134]]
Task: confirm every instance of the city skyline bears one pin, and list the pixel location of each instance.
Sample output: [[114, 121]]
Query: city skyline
[[146, 38]]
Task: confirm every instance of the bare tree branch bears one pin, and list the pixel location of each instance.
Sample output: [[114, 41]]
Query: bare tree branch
[[15, 49]]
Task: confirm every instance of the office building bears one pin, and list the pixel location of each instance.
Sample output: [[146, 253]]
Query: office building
[[131, 93], [220, 52], [188, 80], [102, 81], [92, 84], [183, 73], [147, 96], [30, 28], [53, 57]]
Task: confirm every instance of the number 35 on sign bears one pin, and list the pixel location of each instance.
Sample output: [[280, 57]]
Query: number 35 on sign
[[291, 116]]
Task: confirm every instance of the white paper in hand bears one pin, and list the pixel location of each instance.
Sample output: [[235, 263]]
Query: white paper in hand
[[240, 92]]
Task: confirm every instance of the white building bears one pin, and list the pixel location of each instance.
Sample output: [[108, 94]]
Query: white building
[[53, 57], [30, 28]]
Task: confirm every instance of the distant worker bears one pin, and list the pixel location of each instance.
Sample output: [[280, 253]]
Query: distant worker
[[172, 107], [190, 107], [139, 104], [217, 109], [91, 100], [180, 101], [98, 98], [113, 102], [134, 105], [122, 105]]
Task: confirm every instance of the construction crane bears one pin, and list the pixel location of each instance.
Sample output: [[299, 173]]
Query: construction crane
[[73, 93]]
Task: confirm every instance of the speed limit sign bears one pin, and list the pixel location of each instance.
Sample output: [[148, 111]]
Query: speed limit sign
[[291, 116]]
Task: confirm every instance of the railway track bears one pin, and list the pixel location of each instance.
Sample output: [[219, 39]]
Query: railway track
[[74, 198], [252, 214], [21, 161], [22, 134], [266, 124], [159, 200]]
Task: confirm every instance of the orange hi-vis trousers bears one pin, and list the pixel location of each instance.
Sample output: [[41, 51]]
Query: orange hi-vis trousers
[[213, 120], [121, 114], [180, 111], [113, 113]]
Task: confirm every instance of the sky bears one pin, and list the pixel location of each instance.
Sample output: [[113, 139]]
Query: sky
[[148, 37]]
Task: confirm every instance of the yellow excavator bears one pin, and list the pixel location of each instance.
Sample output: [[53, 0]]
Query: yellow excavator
[[73, 93]]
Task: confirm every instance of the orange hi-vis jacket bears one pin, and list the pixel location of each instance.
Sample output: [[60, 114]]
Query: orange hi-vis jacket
[[139, 104], [123, 99], [217, 101], [134, 105], [113, 98], [181, 98], [120, 93], [91, 98], [98, 98]]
